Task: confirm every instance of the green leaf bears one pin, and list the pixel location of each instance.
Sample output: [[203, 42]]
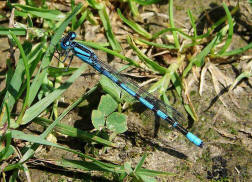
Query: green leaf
[[74, 132], [36, 139], [140, 164], [230, 30], [98, 119], [40, 106], [111, 88], [117, 122], [147, 178], [107, 104], [245, 74], [40, 12], [80, 21], [7, 150], [30, 152], [150, 63], [237, 51], [164, 46], [133, 8], [175, 35], [127, 167], [95, 5], [136, 27], [16, 31], [108, 30], [27, 74], [147, 2], [81, 165], [198, 60]]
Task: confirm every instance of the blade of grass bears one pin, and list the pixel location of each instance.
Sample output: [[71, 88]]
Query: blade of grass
[[153, 65], [40, 106], [74, 132], [192, 23], [164, 46], [16, 31], [175, 36], [238, 51], [230, 30], [84, 165], [13, 86], [136, 27], [97, 46], [147, 2], [80, 21], [198, 60], [41, 12], [133, 8], [108, 29], [156, 35], [36, 139], [139, 165], [27, 73], [245, 74]]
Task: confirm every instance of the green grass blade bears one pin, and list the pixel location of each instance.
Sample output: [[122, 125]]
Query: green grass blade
[[14, 89], [74, 132], [97, 46], [80, 21], [164, 46], [172, 30], [36, 84], [36, 139], [27, 73], [153, 65], [95, 5], [40, 106], [16, 31], [198, 60], [81, 165], [6, 142], [148, 172], [245, 74], [136, 27], [147, 2], [192, 20], [41, 12], [175, 36], [133, 8], [108, 29], [140, 164], [238, 51], [230, 30]]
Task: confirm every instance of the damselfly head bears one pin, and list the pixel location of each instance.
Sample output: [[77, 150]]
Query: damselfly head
[[72, 35]]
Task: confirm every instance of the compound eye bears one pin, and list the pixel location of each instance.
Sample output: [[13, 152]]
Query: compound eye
[[72, 35]]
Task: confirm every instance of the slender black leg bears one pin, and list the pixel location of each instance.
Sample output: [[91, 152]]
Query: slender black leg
[[66, 56], [70, 61]]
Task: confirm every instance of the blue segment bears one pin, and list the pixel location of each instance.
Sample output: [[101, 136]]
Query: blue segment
[[175, 124], [84, 58], [79, 51], [146, 103], [194, 139], [111, 77], [73, 35], [161, 114], [127, 89]]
